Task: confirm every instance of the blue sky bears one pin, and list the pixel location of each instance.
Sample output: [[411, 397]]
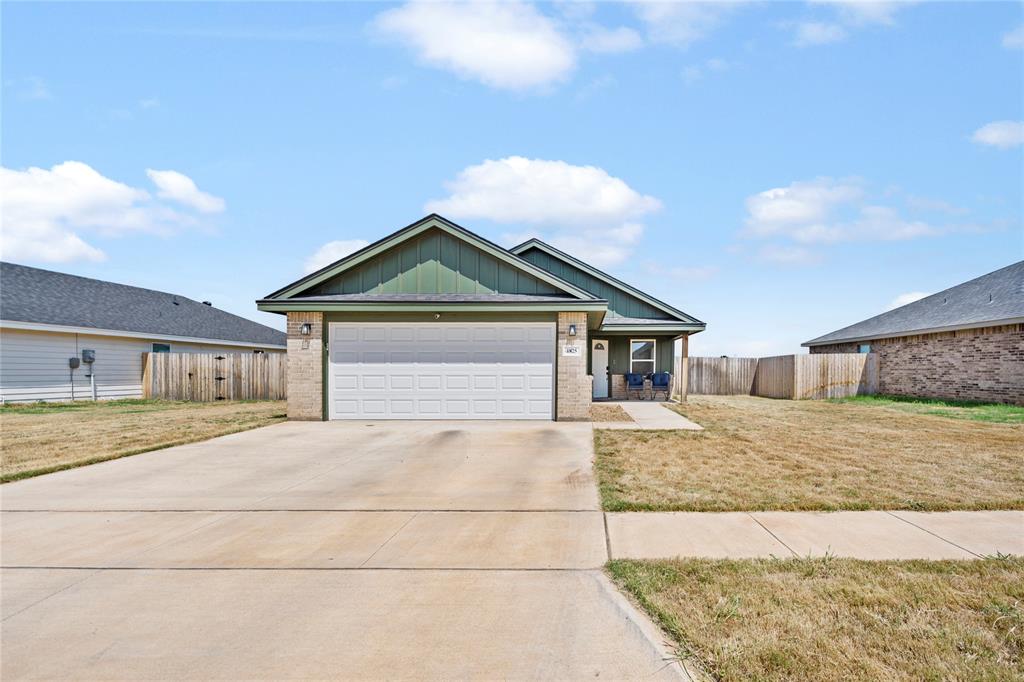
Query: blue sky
[[777, 170]]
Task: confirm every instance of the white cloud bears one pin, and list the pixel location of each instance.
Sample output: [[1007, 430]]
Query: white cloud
[[848, 15], [579, 208], [1002, 134], [825, 211], [332, 251], [681, 23], [504, 45], [788, 255], [149, 103], [809, 33], [43, 211], [904, 299], [30, 88], [174, 186], [860, 12], [1014, 40], [597, 38]]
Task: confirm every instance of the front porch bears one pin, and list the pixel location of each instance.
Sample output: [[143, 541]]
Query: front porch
[[620, 353]]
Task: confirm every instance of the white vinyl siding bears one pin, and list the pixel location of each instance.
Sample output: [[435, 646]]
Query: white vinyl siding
[[445, 370], [34, 364]]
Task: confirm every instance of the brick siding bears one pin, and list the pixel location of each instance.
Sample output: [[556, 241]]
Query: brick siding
[[985, 364], [575, 387], [305, 367]]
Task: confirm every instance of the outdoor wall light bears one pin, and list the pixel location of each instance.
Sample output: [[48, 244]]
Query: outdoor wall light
[[572, 330], [437, 316], [306, 329]]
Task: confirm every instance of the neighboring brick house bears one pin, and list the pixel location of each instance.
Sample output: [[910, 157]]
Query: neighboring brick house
[[964, 343], [435, 322]]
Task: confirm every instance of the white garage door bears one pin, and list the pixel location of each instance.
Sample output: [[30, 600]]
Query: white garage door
[[434, 370]]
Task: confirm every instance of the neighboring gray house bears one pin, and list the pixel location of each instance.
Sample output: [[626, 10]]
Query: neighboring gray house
[[48, 317], [964, 343], [436, 322]]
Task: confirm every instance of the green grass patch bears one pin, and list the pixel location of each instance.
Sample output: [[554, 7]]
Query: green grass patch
[[956, 409]]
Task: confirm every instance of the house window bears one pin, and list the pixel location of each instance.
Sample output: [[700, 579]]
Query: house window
[[161, 348], [641, 356], [864, 348]]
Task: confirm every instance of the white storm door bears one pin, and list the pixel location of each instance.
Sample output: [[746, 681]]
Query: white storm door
[[441, 370], [599, 366]]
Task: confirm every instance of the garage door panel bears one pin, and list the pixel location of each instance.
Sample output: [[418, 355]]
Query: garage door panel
[[441, 370]]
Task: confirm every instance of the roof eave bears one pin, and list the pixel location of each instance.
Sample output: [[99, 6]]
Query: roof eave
[[284, 305], [822, 341], [130, 333], [604, 276]]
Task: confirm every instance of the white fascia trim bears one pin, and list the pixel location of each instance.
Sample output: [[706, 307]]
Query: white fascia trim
[[39, 327]]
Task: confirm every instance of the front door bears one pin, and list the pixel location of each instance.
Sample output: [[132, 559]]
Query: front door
[[599, 366]]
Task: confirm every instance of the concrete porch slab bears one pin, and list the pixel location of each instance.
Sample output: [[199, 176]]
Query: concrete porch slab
[[650, 416], [666, 535], [982, 532], [861, 535]]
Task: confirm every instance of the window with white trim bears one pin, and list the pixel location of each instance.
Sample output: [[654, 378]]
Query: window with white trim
[[641, 356]]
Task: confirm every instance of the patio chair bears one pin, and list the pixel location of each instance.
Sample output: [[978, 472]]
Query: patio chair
[[635, 382], [661, 381]]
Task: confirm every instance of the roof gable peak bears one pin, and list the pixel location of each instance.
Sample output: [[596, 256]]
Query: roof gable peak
[[413, 230]]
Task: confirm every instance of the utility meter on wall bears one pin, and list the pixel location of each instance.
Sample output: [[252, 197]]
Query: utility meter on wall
[[88, 356]]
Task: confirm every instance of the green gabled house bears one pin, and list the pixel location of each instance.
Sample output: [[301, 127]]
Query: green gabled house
[[436, 322]]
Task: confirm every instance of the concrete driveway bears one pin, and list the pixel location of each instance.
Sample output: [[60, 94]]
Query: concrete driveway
[[323, 550]]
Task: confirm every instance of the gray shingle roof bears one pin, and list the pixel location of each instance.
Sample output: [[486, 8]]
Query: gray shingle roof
[[995, 298], [437, 298], [47, 297]]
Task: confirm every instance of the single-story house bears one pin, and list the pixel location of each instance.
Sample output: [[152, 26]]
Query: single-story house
[[964, 343], [47, 318], [436, 322]]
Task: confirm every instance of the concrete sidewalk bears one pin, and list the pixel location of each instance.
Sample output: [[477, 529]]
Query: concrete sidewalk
[[860, 535], [650, 416]]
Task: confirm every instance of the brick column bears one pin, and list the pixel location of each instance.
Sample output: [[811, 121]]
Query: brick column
[[305, 367], [574, 384]]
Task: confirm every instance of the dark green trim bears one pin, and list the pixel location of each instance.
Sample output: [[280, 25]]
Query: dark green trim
[[284, 307], [461, 316], [657, 330]]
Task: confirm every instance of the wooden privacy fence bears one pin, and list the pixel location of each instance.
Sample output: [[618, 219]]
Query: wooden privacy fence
[[796, 377], [205, 377]]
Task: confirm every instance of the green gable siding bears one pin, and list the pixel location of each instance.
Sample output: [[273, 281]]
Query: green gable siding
[[434, 262], [620, 303]]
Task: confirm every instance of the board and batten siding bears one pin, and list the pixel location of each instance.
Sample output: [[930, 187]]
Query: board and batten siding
[[434, 262], [34, 364], [620, 303]]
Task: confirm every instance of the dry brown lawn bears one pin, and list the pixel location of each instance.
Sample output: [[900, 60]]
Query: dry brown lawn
[[832, 619], [41, 438], [608, 412], [758, 454]]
